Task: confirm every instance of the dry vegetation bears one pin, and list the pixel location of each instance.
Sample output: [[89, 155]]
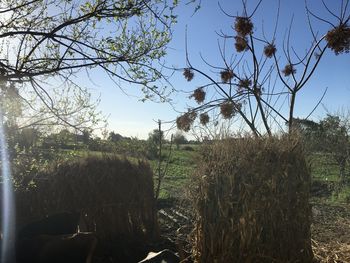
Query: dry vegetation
[[252, 213], [113, 194], [331, 233]]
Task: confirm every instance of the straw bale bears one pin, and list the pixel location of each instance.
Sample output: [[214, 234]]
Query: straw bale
[[251, 198], [112, 194]]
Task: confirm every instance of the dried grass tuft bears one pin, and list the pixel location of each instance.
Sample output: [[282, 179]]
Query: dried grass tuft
[[333, 252]]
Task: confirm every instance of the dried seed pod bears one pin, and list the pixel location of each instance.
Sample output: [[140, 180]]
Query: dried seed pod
[[244, 84], [338, 39], [198, 95], [227, 109], [241, 44], [269, 50], [288, 70], [185, 121], [188, 74], [204, 118], [226, 75], [257, 91], [243, 26]]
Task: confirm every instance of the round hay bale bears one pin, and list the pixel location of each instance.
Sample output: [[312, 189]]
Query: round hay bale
[[251, 198], [115, 197]]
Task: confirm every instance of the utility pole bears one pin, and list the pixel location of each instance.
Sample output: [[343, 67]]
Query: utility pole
[[159, 158]]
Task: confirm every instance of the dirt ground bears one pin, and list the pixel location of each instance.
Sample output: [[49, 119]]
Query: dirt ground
[[331, 232]]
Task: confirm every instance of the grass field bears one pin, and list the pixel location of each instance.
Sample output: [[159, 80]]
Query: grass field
[[325, 170], [330, 202], [182, 163], [180, 166], [330, 220]]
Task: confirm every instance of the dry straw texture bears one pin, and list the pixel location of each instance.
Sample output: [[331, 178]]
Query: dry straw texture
[[251, 200], [114, 194]]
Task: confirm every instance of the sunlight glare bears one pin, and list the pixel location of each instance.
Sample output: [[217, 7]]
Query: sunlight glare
[[8, 208]]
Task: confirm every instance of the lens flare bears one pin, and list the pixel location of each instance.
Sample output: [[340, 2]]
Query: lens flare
[[8, 206]]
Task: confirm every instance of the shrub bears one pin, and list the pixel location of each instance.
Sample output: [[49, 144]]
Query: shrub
[[187, 148]]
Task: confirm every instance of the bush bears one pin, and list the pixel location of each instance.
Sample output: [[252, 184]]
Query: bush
[[187, 148], [251, 199]]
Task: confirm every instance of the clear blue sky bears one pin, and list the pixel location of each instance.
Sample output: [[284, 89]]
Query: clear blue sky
[[130, 117]]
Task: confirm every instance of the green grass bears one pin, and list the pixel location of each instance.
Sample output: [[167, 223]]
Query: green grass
[[179, 169], [325, 169], [341, 195], [181, 166]]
